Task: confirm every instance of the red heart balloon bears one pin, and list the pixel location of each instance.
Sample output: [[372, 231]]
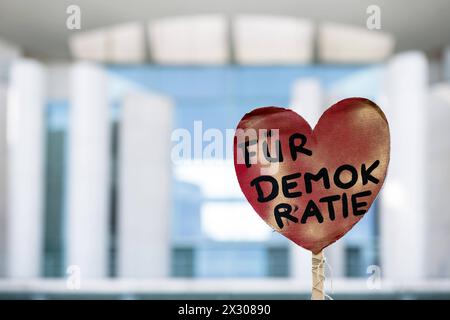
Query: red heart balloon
[[312, 186]]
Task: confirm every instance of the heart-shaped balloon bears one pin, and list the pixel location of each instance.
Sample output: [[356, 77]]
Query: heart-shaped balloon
[[313, 186]]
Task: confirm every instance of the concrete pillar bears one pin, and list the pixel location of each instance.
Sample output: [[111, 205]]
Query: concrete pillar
[[403, 211], [26, 135], [87, 205], [3, 171], [144, 186]]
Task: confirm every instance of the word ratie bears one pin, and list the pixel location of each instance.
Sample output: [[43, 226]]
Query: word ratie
[[344, 177]]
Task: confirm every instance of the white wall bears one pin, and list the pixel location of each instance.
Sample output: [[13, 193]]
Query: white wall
[[307, 99], [270, 39], [8, 53], [193, 39], [3, 171], [446, 64], [403, 207], [340, 43], [438, 182]]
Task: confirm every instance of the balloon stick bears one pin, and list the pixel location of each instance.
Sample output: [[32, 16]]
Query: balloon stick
[[318, 276]]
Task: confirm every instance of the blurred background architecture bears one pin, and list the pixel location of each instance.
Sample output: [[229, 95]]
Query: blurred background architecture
[[93, 203]]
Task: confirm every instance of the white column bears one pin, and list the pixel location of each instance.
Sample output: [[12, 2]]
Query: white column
[[88, 171], [300, 263], [438, 187], [26, 134], [307, 99], [403, 212], [144, 186], [3, 171]]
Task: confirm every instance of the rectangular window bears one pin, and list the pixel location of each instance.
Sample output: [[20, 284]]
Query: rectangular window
[[183, 262]]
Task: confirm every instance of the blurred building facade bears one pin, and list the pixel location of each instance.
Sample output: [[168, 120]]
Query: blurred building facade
[[87, 177]]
